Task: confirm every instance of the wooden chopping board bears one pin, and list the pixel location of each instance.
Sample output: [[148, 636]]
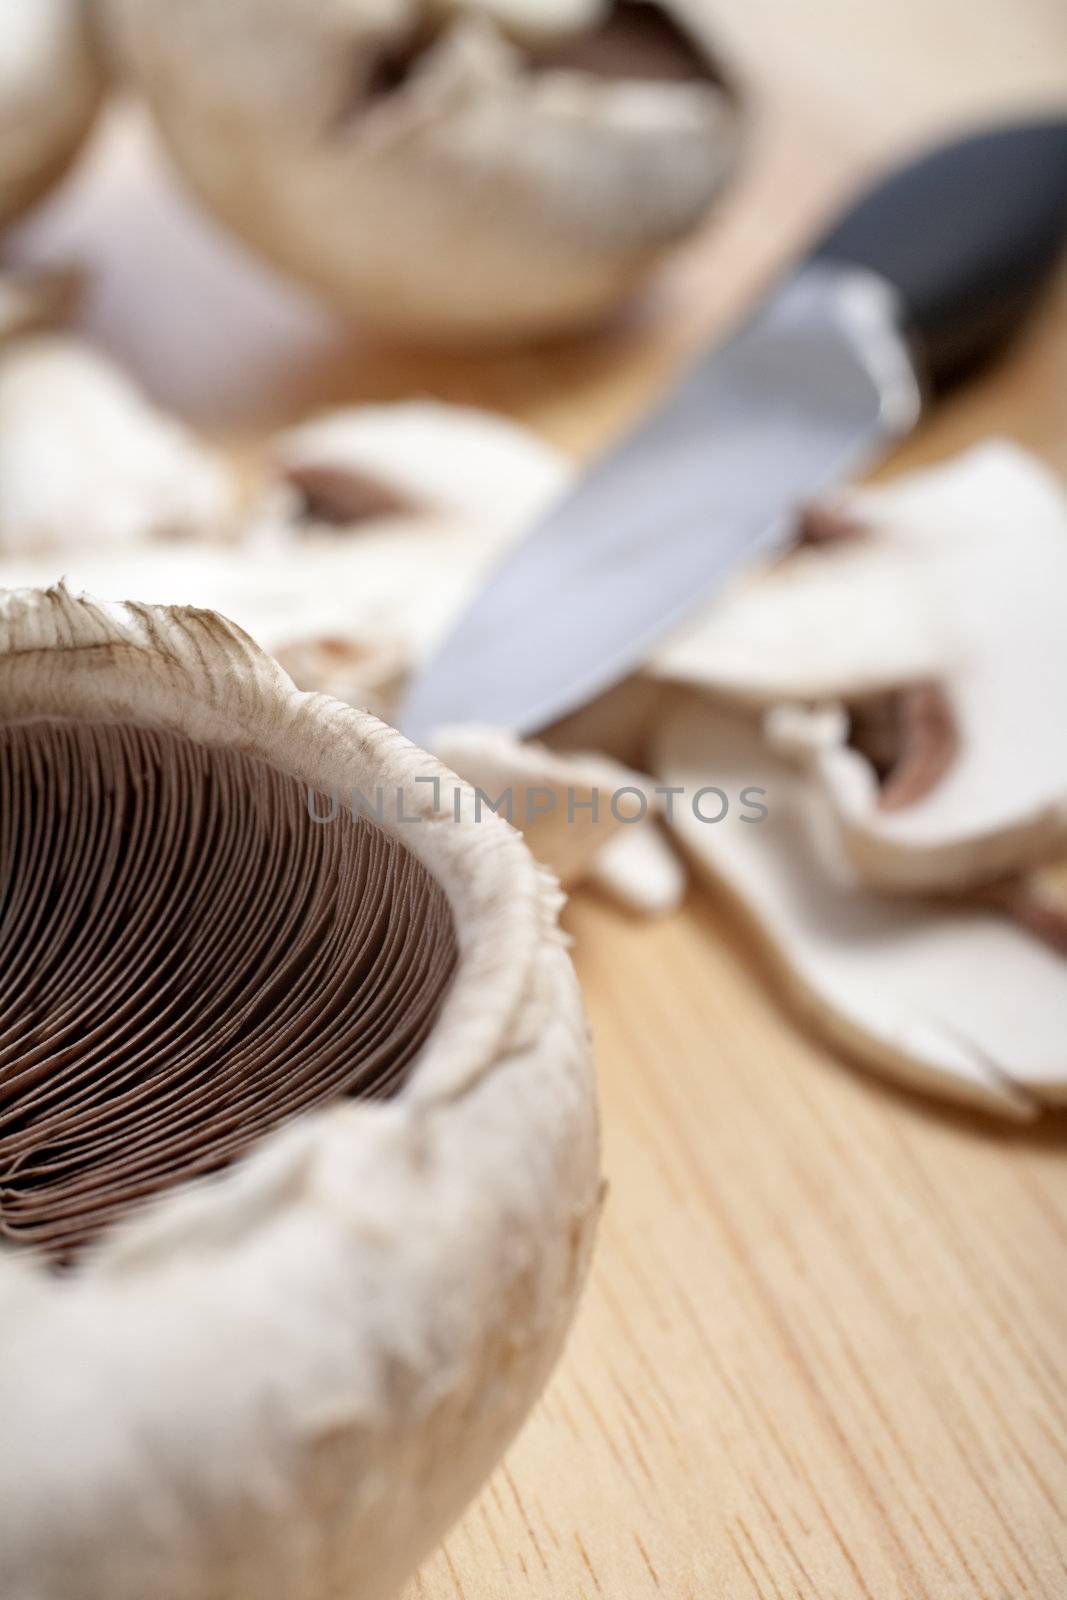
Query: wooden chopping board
[[823, 1355]]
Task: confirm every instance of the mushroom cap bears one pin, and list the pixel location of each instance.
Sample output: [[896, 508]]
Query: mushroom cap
[[459, 462], [51, 81], [286, 1380], [443, 171]]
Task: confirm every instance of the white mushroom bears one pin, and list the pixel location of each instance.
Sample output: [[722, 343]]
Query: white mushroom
[[423, 496], [937, 620], [87, 461], [387, 518], [950, 999], [639, 869], [51, 81], [286, 1378], [341, 614], [343, 618], [452, 170], [373, 527], [588, 818], [351, 465]]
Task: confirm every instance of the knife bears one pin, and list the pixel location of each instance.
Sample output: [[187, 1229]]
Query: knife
[[920, 281]]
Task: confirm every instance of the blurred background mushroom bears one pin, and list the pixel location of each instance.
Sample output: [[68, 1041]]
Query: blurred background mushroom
[[454, 171]]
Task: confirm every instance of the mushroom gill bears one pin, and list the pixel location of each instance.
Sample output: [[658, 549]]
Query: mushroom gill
[[188, 960]]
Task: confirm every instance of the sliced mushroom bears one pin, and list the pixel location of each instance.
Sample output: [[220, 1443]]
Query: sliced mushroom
[[430, 496], [51, 81], [952, 1000], [365, 462], [377, 523], [350, 590], [87, 461], [639, 869], [944, 607], [454, 169], [292, 1373], [588, 818]]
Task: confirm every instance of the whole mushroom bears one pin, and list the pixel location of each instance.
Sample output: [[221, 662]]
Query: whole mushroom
[[443, 168], [51, 79], [298, 1132]]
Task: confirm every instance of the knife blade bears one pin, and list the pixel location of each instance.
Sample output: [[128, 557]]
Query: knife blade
[[923, 278]]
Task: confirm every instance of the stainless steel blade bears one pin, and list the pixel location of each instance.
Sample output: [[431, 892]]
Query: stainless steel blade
[[815, 385]]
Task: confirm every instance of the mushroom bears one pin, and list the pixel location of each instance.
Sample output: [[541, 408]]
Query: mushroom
[[359, 463], [443, 168], [51, 81], [950, 999], [640, 871], [431, 493], [587, 817], [374, 526], [934, 626], [86, 459], [348, 566], [298, 1140]]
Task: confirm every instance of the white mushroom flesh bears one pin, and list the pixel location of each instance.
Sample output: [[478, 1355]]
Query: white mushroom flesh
[[423, 167], [89, 463]]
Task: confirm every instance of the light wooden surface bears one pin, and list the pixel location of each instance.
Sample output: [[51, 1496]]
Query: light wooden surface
[[824, 1349]]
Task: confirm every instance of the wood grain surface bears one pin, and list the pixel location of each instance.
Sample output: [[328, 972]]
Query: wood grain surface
[[823, 1352]]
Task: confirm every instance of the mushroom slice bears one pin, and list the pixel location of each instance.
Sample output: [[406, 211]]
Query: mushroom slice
[[454, 171], [87, 461], [302, 1109], [583, 815], [51, 80], [365, 462], [333, 631], [639, 869], [939, 618], [952, 1000], [344, 616], [434, 493]]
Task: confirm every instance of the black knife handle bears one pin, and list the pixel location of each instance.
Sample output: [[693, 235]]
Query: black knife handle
[[968, 235]]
